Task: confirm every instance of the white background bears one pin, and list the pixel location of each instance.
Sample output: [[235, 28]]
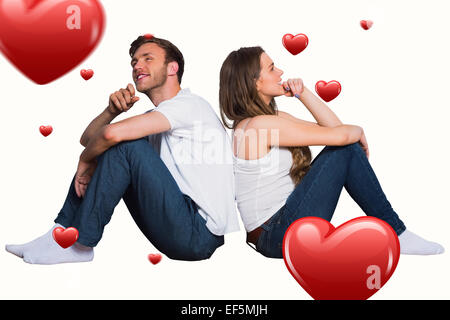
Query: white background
[[394, 81]]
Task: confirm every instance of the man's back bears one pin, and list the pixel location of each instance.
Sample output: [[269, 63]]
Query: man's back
[[197, 152]]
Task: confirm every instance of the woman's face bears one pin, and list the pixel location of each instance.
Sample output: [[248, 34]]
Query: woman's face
[[268, 84]]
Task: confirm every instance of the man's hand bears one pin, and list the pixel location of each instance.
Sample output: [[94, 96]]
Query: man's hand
[[364, 145], [85, 171], [122, 100], [293, 87]]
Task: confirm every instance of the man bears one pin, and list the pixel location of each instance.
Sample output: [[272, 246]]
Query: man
[[182, 202]]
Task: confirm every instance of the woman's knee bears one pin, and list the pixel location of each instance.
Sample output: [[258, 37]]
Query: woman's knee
[[348, 147], [355, 147], [341, 152]]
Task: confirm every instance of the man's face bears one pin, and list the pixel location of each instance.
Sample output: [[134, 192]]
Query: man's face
[[149, 68]]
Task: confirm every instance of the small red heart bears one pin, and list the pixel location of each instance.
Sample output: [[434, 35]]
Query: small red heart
[[87, 74], [295, 44], [45, 39], [148, 36], [351, 262], [366, 24], [65, 237], [328, 90], [154, 258], [45, 130]]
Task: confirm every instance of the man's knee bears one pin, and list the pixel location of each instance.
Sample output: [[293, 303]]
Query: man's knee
[[138, 143], [126, 148], [134, 146]]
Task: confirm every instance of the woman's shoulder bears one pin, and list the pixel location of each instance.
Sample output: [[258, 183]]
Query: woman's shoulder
[[279, 120], [256, 122]]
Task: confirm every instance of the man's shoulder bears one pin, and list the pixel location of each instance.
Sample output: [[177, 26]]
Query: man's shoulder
[[189, 99]]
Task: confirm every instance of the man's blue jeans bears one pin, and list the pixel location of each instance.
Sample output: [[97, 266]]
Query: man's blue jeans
[[132, 170], [318, 193]]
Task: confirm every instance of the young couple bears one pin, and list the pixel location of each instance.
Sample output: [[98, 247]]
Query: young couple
[[184, 203]]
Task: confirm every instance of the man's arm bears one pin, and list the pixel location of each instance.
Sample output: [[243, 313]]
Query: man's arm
[[119, 101], [128, 129], [101, 120]]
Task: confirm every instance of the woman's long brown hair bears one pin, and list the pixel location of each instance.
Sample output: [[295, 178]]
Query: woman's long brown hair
[[239, 99]]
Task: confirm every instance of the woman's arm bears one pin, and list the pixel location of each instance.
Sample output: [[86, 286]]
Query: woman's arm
[[319, 110], [288, 116], [275, 130]]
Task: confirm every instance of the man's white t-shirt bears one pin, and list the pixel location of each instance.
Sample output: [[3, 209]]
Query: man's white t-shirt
[[197, 152]]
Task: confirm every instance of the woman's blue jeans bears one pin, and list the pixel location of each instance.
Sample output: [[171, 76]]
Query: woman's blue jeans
[[132, 170], [318, 193]]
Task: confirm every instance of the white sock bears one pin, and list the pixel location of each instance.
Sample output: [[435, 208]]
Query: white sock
[[45, 250], [411, 243], [18, 249]]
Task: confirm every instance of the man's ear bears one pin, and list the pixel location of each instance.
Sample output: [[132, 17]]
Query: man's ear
[[172, 68]]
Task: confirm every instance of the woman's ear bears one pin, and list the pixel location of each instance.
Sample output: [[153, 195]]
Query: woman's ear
[[258, 84], [172, 68]]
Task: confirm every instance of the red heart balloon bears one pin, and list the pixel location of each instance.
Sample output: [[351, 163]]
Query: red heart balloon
[[352, 261], [295, 44], [154, 258], [45, 39], [328, 90], [45, 130], [65, 237], [87, 74], [366, 24]]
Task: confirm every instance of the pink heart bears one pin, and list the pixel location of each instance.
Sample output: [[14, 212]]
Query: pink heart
[[154, 258], [328, 90], [352, 261], [45, 39], [45, 130], [366, 24], [65, 237], [295, 44], [87, 74]]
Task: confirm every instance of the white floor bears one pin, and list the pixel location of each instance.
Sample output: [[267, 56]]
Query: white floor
[[120, 270]]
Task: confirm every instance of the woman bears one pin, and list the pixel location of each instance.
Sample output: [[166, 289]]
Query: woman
[[276, 183]]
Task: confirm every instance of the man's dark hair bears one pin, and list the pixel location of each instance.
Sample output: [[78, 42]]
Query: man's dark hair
[[172, 52]]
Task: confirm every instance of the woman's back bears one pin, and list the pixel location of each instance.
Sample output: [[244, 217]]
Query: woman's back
[[262, 184]]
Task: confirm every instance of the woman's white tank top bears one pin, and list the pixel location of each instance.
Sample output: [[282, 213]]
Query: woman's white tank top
[[262, 185]]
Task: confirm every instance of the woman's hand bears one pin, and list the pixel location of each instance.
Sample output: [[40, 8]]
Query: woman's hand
[[364, 145], [85, 171], [293, 87]]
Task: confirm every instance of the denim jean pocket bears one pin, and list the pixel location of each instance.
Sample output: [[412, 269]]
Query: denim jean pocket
[[265, 244], [281, 224], [278, 216], [269, 244]]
